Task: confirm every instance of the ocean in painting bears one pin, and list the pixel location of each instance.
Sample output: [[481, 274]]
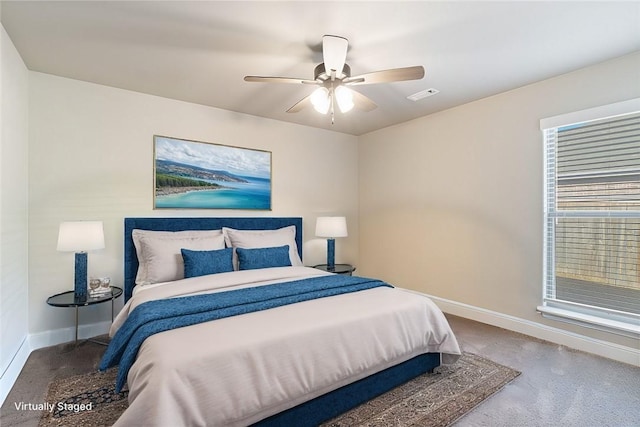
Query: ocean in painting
[[253, 194]]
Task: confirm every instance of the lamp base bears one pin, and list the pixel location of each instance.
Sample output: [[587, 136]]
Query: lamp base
[[331, 254], [80, 282]]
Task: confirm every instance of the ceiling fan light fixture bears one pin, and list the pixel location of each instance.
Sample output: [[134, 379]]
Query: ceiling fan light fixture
[[333, 78], [320, 100], [344, 98]]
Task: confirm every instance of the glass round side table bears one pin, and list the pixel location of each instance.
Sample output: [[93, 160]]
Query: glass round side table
[[68, 299]]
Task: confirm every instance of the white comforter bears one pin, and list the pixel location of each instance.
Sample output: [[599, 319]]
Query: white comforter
[[239, 370]]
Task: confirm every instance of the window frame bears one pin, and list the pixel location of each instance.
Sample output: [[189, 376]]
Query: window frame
[[609, 320]]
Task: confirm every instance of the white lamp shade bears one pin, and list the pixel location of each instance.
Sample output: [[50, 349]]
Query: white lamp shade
[[331, 226], [80, 236]]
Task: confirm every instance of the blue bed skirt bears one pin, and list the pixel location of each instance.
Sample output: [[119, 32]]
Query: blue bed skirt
[[330, 405]]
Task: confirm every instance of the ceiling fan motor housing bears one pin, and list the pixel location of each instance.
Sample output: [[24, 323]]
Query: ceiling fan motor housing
[[320, 73]]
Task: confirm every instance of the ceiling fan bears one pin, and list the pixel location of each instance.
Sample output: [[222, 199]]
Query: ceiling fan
[[333, 77]]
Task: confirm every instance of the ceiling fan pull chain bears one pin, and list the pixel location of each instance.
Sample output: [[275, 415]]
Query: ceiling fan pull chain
[[332, 111], [332, 98]]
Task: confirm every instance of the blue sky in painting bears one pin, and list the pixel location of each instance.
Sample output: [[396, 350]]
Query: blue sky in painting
[[238, 161]]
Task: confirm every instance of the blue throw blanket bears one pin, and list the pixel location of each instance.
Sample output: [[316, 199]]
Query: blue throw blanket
[[162, 315]]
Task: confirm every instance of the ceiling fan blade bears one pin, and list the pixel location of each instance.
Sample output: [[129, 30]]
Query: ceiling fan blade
[[260, 79], [300, 105], [334, 53], [362, 102], [387, 76]]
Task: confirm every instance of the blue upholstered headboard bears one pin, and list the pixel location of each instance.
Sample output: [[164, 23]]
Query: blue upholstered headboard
[[201, 223]]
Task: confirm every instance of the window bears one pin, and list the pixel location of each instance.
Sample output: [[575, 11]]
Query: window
[[592, 218]]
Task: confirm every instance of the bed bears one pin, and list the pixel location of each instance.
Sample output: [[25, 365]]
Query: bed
[[299, 363]]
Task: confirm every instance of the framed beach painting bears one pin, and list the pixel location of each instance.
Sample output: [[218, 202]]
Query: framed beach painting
[[202, 175]]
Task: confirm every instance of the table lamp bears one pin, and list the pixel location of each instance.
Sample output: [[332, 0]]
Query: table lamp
[[80, 237], [331, 227]]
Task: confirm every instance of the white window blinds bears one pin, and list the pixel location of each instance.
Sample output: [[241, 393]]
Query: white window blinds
[[592, 221]]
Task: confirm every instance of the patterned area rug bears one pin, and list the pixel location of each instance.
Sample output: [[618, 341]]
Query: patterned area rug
[[430, 400], [84, 400]]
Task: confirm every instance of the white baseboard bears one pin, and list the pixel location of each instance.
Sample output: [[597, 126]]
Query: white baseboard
[[59, 336], [606, 349], [40, 340], [10, 375]]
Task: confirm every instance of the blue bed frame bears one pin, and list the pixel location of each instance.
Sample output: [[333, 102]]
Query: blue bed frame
[[317, 410]]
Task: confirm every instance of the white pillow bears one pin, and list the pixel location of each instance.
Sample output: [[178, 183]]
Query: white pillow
[[251, 239], [159, 253]]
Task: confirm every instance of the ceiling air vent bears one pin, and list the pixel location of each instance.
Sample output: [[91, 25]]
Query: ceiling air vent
[[423, 94]]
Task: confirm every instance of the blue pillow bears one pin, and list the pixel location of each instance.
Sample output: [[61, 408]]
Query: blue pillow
[[199, 263], [251, 259]]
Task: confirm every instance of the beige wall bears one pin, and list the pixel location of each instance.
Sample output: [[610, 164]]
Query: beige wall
[[91, 158], [13, 208], [451, 204]]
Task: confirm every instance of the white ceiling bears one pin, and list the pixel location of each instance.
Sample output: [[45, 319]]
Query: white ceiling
[[199, 51]]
